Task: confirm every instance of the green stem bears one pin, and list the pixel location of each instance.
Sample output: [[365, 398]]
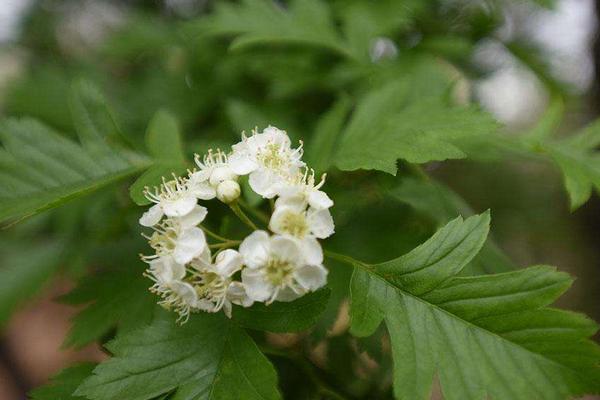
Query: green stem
[[235, 207], [215, 235], [257, 213], [347, 259], [225, 245]]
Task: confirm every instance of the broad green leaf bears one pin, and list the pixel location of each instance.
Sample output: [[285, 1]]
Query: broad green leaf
[[117, 297], [62, 386], [207, 358], [25, 269], [256, 22], [485, 336], [386, 126], [294, 316], [163, 140], [321, 148], [40, 169], [441, 204]]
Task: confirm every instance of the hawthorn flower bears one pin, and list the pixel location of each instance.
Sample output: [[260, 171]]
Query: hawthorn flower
[[215, 178], [300, 190], [172, 199], [171, 238], [304, 225], [276, 268], [168, 277], [268, 157], [214, 283]]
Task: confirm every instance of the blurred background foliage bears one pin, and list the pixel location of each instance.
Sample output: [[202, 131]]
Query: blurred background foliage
[[531, 64]]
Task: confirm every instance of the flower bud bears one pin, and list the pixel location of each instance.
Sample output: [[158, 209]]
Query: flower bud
[[228, 191], [221, 174]]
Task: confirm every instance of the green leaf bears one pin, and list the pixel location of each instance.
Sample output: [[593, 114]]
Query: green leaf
[[25, 269], [294, 316], [257, 22], [40, 169], [441, 204], [116, 297], [64, 384], [163, 140], [321, 148], [207, 358], [387, 126], [484, 336]]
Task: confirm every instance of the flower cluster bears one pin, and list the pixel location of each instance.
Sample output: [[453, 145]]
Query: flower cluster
[[280, 263]]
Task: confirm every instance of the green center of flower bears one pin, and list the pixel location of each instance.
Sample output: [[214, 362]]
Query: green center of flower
[[163, 242], [294, 224], [278, 272], [209, 285], [272, 157]]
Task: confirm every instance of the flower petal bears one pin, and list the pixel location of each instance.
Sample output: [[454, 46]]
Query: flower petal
[[185, 292], [311, 277], [236, 293], [203, 261], [263, 182], [255, 249], [152, 216], [228, 262], [203, 190], [257, 288], [320, 222], [319, 200], [286, 248], [298, 203], [311, 248], [241, 163], [179, 207], [288, 294], [189, 244], [194, 217]]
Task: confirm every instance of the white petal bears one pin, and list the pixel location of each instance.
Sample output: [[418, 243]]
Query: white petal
[[205, 305], [203, 191], [311, 248], [277, 223], [287, 294], [152, 216], [320, 223], [276, 135], [228, 262], [319, 200], [311, 277], [298, 203], [162, 269], [227, 308], [185, 292], [194, 217], [203, 261], [263, 181], [255, 249], [236, 293], [179, 207], [286, 248], [220, 174], [241, 163], [189, 244], [256, 287]]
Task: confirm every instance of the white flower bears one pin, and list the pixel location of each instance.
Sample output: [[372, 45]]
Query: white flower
[[176, 294], [214, 170], [214, 283], [172, 199], [305, 226], [300, 190], [276, 269], [171, 238], [267, 157]]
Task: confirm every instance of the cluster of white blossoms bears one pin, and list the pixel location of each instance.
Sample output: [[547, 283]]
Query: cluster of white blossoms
[[280, 263]]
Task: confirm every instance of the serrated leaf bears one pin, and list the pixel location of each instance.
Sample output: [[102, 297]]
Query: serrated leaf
[[255, 22], [386, 127], [485, 336], [62, 386], [441, 204], [163, 140], [116, 297], [207, 358], [25, 269], [321, 148], [294, 316]]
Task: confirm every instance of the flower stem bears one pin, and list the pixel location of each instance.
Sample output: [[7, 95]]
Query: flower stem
[[257, 213], [215, 235], [347, 259], [225, 245], [235, 207]]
